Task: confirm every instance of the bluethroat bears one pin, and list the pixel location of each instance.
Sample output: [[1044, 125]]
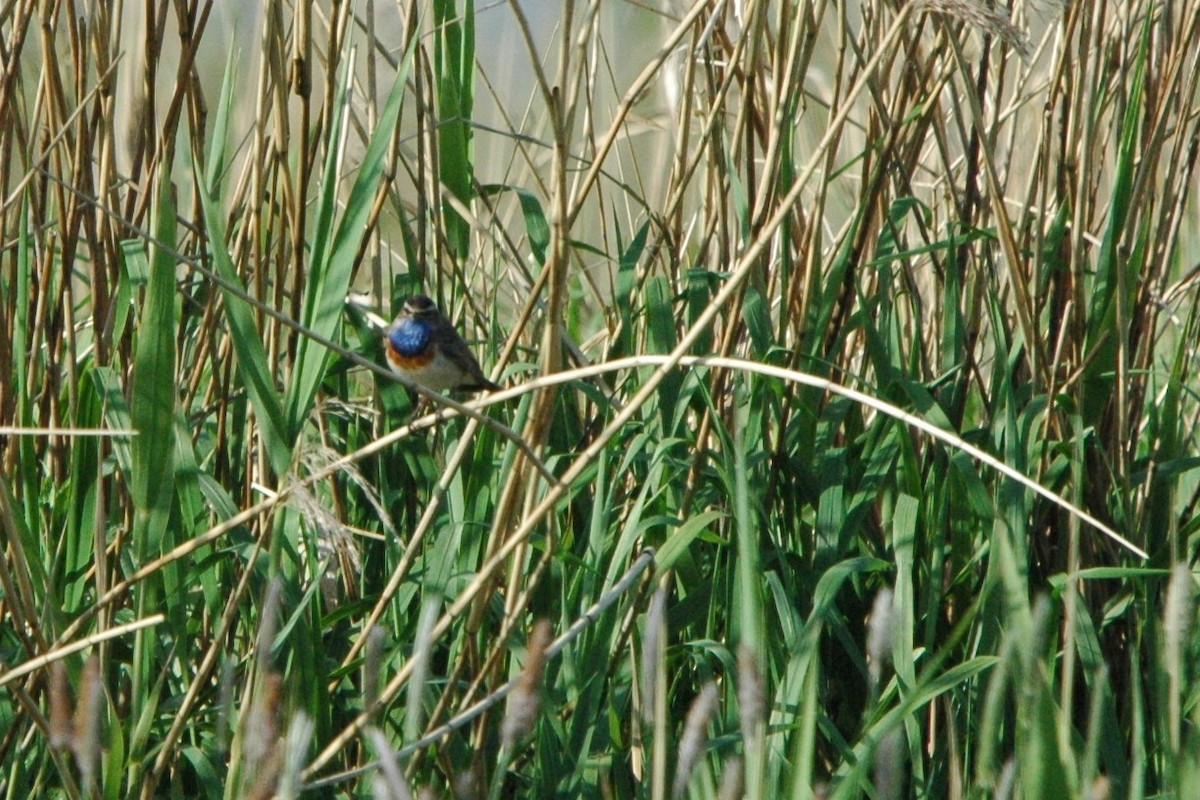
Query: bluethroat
[[423, 347]]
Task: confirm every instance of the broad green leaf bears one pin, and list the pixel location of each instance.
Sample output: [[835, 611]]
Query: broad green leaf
[[333, 259], [153, 395]]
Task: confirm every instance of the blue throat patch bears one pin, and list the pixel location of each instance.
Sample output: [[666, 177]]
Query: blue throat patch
[[410, 338]]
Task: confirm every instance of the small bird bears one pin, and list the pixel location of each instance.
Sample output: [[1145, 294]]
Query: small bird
[[423, 346]]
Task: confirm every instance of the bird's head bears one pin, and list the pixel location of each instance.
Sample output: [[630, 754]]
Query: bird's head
[[419, 307]]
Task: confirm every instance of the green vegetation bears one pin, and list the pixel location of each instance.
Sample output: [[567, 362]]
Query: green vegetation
[[849, 439]]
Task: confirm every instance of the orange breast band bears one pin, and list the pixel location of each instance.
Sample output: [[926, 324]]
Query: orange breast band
[[410, 362]]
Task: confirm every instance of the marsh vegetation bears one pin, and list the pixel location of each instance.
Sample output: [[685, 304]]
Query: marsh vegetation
[[847, 443]]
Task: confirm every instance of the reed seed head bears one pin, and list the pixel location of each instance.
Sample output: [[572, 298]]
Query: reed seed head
[[525, 701], [695, 736]]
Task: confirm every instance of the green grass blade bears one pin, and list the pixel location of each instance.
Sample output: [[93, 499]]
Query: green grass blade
[[153, 395], [251, 358], [1112, 286], [454, 63], [333, 259]]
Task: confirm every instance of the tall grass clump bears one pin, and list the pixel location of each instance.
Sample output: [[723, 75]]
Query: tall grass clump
[[849, 438]]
